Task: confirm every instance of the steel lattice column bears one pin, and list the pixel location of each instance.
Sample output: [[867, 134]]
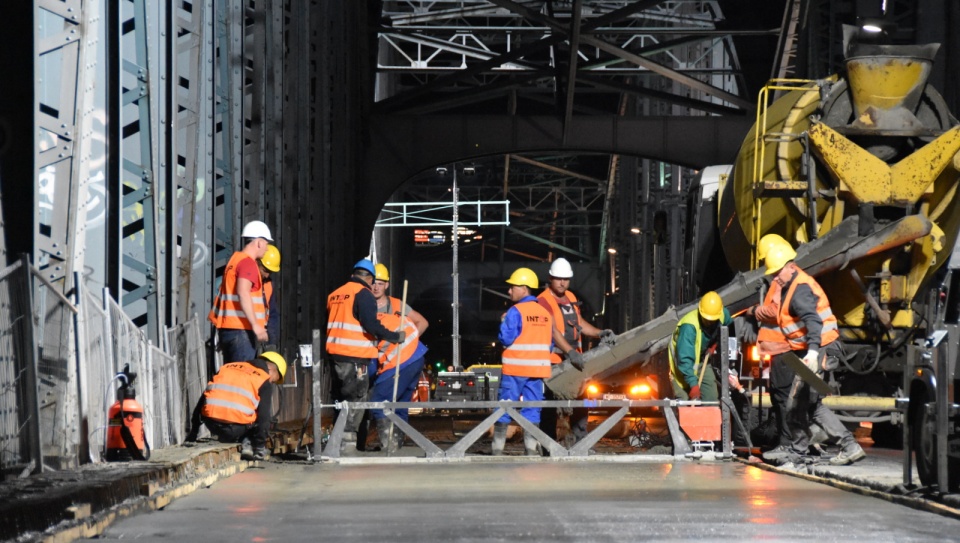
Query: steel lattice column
[[135, 183], [228, 51], [191, 72], [66, 66]]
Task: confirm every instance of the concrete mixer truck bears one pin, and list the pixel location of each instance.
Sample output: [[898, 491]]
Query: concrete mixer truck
[[860, 172]]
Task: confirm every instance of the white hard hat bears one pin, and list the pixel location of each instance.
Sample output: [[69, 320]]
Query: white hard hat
[[561, 269], [256, 229]]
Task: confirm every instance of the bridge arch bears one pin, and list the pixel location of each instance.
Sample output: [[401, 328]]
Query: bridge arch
[[400, 147]]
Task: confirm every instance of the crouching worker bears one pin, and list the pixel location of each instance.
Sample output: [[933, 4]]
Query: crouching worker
[[236, 404], [696, 333], [410, 355]]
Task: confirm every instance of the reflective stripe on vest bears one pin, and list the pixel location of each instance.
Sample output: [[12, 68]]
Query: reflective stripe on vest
[[793, 328], [227, 311], [388, 356], [529, 355], [560, 324], [692, 318], [345, 335], [234, 393]]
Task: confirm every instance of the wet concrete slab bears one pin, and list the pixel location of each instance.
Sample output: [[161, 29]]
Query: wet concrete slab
[[522, 500]]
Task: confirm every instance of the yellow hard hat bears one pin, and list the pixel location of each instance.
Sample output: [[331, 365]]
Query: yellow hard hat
[[768, 241], [275, 357], [711, 306], [271, 259], [382, 273], [777, 258], [524, 277]]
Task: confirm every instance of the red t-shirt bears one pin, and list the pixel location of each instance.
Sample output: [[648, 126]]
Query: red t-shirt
[[247, 269]]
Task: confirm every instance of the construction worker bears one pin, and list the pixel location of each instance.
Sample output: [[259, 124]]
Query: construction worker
[[270, 264], [811, 331], [409, 355], [389, 304], [239, 311], [526, 333], [353, 332], [695, 334], [236, 405], [568, 329], [772, 343]]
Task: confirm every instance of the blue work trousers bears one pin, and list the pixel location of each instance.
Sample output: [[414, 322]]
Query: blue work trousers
[[514, 388], [382, 389], [237, 345]]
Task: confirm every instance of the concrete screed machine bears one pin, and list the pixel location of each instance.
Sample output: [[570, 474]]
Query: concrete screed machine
[[860, 173]]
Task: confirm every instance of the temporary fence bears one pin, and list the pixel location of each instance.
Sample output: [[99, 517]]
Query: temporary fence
[[59, 360]]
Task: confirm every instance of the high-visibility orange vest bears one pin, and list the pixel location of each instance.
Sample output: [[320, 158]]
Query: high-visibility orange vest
[[388, 351], [529, 355], [234, 393], [395, 308], [345, 335], [793, 328], [267, 296], [770, 340], [227, 312], [560, 324]]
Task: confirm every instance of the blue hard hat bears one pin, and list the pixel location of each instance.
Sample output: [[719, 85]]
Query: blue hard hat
[[366, 265]]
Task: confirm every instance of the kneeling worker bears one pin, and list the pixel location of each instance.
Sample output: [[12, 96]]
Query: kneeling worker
[[696, 332], [237, 402]]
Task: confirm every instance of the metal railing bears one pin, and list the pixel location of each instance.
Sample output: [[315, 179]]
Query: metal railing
[[59, 359], [681, 446]]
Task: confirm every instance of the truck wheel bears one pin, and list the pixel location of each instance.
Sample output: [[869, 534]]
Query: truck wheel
[[923, 443]]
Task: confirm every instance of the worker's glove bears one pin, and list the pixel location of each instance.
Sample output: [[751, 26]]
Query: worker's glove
[[811, 360], [401, 335], [576, 358], [608, 336], [695, 392]]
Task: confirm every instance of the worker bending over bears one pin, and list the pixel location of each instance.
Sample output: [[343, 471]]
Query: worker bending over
[[812, 332], [696, 333], [236, 404]]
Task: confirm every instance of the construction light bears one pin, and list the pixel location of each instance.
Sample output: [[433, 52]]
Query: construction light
[[592, 389], [638, 391], [612, 250], [635, 230]]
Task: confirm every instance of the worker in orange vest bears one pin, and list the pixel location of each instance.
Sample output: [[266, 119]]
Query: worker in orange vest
[[812, 332], [526, 333], [239, 311], [569, 327], [390, 304], [236, 404], [353, 334]]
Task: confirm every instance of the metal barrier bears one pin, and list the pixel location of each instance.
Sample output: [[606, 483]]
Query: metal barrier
[[58, 364], [681, 445]]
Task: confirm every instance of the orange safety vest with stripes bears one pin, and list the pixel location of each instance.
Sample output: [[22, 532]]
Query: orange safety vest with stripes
[[227, 311], [345, 335], [560, 323], [388, 351], [234, 394], [394, 306], [529, 355], [770, 340], [793, 328]]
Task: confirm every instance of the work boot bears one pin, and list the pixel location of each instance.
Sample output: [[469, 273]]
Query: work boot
[[246, 450], [499, 438], [781, 455], [383, 431], [348, 443], [848, 455], [530, 445]]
